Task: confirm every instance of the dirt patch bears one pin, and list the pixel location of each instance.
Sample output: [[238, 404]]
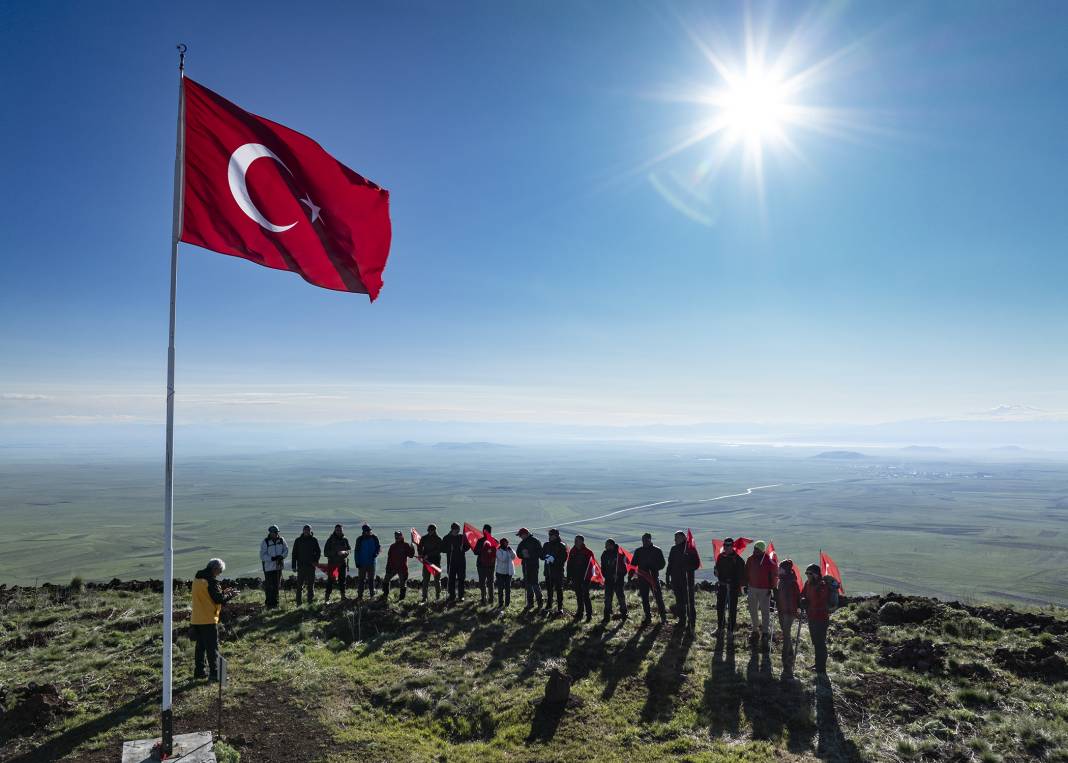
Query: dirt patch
[[915, 654], [268, 725], [18, 643], [1038, 662], [1036, 622], [36, 705], [881, 695]]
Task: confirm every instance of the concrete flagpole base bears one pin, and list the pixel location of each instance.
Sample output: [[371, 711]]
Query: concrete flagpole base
[[188, 748]]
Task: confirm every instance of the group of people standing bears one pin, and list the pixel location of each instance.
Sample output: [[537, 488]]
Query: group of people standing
[[765, 583]]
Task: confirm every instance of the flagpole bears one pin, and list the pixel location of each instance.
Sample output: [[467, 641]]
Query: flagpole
[[167, 717]]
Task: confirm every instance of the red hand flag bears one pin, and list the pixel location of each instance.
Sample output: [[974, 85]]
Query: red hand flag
[[472, 535], [828, 567], [597, 576], [416, 537], [692, 547], [717, 549], [740, 544], [770, 551], [433, 569], [327, 570], [302, 210]]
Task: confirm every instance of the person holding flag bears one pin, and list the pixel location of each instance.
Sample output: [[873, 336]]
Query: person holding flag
[[505, 569], [647, 561], [455, 547], [529, 550], [554, 554], [306, 555], [485, 560], [681, 564], [336, 550], [580, 570], [730, 576], [614, 569], [761, 578], [816, 603], [397, 565], [787, 598], [429, 549]]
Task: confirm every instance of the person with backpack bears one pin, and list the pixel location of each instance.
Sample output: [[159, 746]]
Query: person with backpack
[[761, 579], [580, 573], [649, 560], [819, 598], [397, 565], [681, 564], [337, 550], [273, 552], [554, 554], [306, 554], [485, 561], [529, 551], [430, 547], [504, 569], [787, 599], [367, 550], [614, 569], [208, 599], [730, 576], [454, 546]]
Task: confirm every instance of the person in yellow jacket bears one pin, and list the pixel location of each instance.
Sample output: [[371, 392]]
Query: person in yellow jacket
[[208, 599]]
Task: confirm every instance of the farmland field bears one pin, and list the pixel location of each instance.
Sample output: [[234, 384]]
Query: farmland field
[[951, 527]]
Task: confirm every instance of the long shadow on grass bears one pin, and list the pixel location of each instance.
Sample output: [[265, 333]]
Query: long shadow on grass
[[665, 678], [65, 743], [832, 744], [626, 660], [721, 706]]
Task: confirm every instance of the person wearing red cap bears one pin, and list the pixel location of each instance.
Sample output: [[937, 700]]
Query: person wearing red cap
[[529, 550]]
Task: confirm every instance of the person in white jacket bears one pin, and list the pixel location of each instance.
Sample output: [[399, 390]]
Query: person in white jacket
[[273, 551], [505, 569]]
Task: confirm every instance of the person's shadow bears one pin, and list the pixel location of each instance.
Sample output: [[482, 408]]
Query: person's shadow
[[722, 701], [832, 743], [665, 678]]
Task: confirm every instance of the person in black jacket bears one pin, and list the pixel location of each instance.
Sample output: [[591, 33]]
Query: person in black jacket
[[682, 561], [430, 549], [529, 550], [614, 569], [554, 554], [336, 549], [454, 546], [730, 576], [306, 554], [649, 560]]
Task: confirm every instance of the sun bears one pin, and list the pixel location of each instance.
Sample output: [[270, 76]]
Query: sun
[[753, 108]]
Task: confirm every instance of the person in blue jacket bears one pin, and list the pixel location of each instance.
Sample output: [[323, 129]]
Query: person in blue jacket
[[367, 548]]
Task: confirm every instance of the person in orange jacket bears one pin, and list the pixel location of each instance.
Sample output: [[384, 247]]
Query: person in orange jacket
[[208, 599]]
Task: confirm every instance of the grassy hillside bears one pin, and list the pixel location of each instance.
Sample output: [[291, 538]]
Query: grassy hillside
[[910, 679]]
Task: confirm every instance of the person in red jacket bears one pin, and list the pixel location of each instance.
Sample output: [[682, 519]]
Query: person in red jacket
[[787, 598], [816, 602], [579, 572], [761, 577], [485, 551], [397, 565]]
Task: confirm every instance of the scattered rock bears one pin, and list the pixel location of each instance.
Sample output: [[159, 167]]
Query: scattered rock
[[35, 707], [558, 687], [916, 654]]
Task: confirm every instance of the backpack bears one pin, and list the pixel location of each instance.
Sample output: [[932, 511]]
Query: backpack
[[833, 599]]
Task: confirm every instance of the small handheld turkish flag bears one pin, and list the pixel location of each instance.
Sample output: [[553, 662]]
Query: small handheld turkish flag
[[258, 190]]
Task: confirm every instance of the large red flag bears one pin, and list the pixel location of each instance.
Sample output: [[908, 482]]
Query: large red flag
[[471, 534], [692, 547], [828, 566], [300, 210]]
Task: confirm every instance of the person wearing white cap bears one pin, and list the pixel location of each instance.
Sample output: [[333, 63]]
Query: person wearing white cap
[[273, 552]]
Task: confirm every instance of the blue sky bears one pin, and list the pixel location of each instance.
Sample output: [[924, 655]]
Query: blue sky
[[911, 264]]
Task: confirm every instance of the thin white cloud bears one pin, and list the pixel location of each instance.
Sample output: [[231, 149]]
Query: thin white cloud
[[22, 396]]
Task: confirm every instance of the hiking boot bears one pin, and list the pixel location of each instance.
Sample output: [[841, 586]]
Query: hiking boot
[[646, 621], [589, 618], [577, 616], [199, 675]]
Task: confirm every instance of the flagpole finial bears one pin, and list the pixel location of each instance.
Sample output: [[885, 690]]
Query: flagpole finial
[[181, 56]]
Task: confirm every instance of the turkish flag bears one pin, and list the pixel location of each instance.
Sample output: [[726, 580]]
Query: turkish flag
[[472, 534], [827, 564], [258, 190], [691, 546]]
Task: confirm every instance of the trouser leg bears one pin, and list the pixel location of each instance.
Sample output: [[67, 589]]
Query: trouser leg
[[609, 592], [211, 636], [402, 581], [385, 583], [732, 607], [786, 622], [643, 592], [691, 599], [818, 632], [679, 592], [722, 593], [765, 614], [754, 609], [659, 594], [199, 652]]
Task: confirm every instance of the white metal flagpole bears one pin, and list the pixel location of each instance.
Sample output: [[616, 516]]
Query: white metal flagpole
[[167, 740]]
